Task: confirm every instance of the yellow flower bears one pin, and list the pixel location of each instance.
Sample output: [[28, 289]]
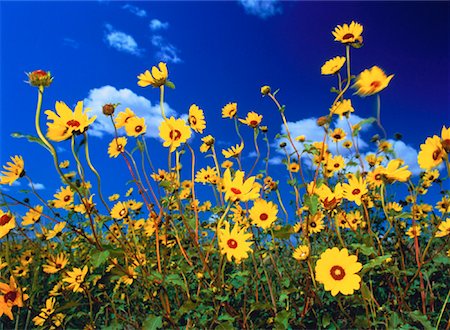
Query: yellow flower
[[75, 278], [114, 197], [238, 188], [444, 229], [371, 81], [135, 126], [443, 205], [123, 117], [227, 164], [348, 33], [117, 146], [347, 144], [332, 66], [252, 119], [129, 192], [11, 296], [342, 108], [86, 205], [7, 222], [430, 176], [66, 123], [336, 270], [445, 138], [55, 263], [49, 309], [313, 223], [234, 243], [301, 253], [157, 78], [330, 199], [355, 189], [204, 175], [373, 160], [64, 164], [300, 138], [14, 170], [64, 198], [229, 111], [263, 213], [431, 153], [335, 163], [129, 276], [375, 178], [394, 171], [338, 135], [413, 231], [32, 216], [174, 132], [197, 119], [56, 231], [233, 151], [208, 142], [294, 167], [119, 211]]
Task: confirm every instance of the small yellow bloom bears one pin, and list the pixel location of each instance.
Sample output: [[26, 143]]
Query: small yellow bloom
[[252, 119], [75, 278], [233, 151], [229, 110], [332, 66], [233, 243], [117, 146], [197, 119], [338, 134], [301, 253], [238, 188], [55, 263], [14, 170], [174, 132], [32, 216], [123, 117], [114, 197], [348, 33], [431, 153], [263, 213], [342, 108], [444, 229], [7, 223], [64, 164], [413, 231], [371, 81], [157, 78], [135, 126], [119, 211]]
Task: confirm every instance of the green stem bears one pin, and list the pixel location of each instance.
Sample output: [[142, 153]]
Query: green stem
[[161, 102], [379, 116], [442, 310]]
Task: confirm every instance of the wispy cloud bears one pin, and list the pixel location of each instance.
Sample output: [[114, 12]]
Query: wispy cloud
[[121, 41], [166, 52], [71, 43], [140, 105], [262, 8], [37, 186], [135, 10], [156, 24]]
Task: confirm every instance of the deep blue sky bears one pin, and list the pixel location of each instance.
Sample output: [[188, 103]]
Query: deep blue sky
[[224, 53]]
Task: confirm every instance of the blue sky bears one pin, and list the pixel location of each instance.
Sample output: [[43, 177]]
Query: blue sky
[[218, 52]]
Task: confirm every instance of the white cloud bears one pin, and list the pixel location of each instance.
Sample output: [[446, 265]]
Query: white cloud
[[121, 41], [261, 8], [140, 105], [37, 186], [166, 52], [71, 43], [408, 154], [135, 10], [156, 24]]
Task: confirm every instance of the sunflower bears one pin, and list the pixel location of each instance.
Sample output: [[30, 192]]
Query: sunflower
[[7, 222], [413, 231], [371, 81], [64, 164], [75, 278], [12, 296], [157, 78], [332, 66], [374, 160], [229, 110], [444, 229], [117, 146], [49, 309], [204, 175], [66, 123], [301, 253], [394, 171], [252, 119], [431, 176], [32, 216], [314, 223], [208, 142], [14, 170], [355, 189], [227, 164], [336, 270], [348, 33], [342, 108], [55, 263], [335, 163], [123, 117], [347, 144], [196, 119], [233, 151], [135, 126], [431, 153], [130, 276], [56, 231], [338, 134], [234, 243], [263, 213], [293, 167], [330, 199], [64, 198], [375, 178], [443, 205], [86, 205], [174, 132], [238, 188], [445, 138]]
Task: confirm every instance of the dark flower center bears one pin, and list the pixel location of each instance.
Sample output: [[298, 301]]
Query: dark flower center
[[58, 266], [4, 219], [253, 123], [10, 296], [356, 191], [263, 216], [378, 176], [236, 191], [73, 123], [122, 212], [348, 36], [138, 129], [337, 136], [313, 224], [337, 273], [175, 135], [446, 145], [232, 244], [66, 198], [192, 120], [375, 84], [336, 165], [437, 154]]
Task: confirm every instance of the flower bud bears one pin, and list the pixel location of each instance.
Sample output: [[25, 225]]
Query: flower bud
[[300, 138], [265, 90], [263, 129], [321, 121], [108, 109], [39, 78], [282, 144]]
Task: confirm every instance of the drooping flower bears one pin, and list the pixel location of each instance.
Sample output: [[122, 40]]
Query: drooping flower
[[7, 223], [75, 278], [301, 253], [196, 119], [238, 188], [332, 66], [233, 151], [348, 33], [135, 126], [263, 213], [157, 78], [13, 170], [234, 243], [371, 81], [174, 132], [336, 270], [342, 108], [67, 123], [252, 119], [117, 146], [208, 142], [431, 153], [229, 110], [355, 189]]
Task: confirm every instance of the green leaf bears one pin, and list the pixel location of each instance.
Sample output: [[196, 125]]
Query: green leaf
[[170, 84], [225, 326], [152, 322], [282, 319], [326, 320], [174, 279], [419, 317], [283, 233], [98, 258], [312, 201], [374, 263], [30, 138], [364, 249]]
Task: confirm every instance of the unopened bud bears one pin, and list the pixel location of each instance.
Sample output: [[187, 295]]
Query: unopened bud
[[39, 78], [263, 129], [265, 90], [108, 109], [321, 121], [282, 144]]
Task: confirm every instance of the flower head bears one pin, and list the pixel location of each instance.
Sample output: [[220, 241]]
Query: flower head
[[7, 222], [75, 278], [64, 198], [252, 119], [336, 270], [40, 78], [117, 146], [11, 295], [355, 189], [233, 243], [301, 253], [67, 122], [431, 153], [196, 119], [123, 117], [174, 132], [263, 213], [55, 263], [119, 211], [348, 33], [135, 126], [233, 151], [157, 78], [371, 81], [229, 110], [238, 188], [342, 108], [14, 170], [332, 66]]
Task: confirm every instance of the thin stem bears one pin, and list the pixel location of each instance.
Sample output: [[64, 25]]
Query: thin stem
[[379, 116]]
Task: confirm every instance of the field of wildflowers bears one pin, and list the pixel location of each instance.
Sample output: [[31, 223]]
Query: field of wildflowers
[[354, 254]]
